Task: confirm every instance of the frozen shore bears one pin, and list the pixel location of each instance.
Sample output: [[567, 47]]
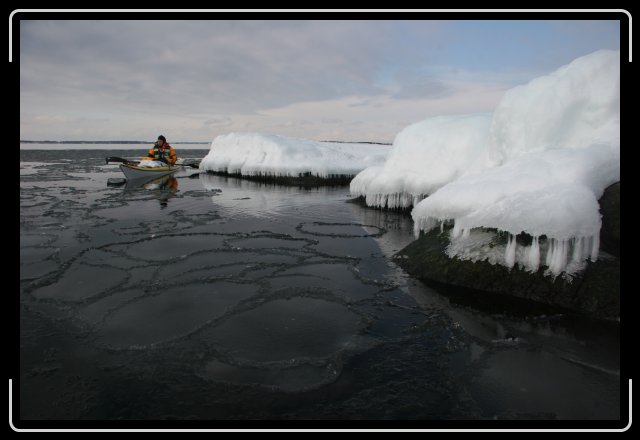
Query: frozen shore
[[283, 160], [594, 291]]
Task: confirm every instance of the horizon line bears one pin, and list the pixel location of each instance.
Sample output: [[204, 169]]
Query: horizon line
[[48, 141]]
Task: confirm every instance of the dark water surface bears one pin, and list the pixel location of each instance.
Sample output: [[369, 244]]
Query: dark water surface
[[205, 297]]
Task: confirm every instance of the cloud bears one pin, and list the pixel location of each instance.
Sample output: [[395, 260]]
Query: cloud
[[196, 79], [223, 121], [199, 66]]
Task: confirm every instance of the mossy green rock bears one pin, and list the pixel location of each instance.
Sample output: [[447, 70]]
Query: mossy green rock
[[594, 292]]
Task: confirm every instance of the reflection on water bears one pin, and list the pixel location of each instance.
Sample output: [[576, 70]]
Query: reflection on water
[[163, 188], [244, 198], [205, 297]]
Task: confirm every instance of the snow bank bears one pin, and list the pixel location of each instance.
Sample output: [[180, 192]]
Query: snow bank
[[553, 193], [574, 107], [555, 147], [425, 156], [260, 154]]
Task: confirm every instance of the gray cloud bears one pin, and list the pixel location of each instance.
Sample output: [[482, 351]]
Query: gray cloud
[[197, 66], [201, 78], [218, 122], [150, 69]]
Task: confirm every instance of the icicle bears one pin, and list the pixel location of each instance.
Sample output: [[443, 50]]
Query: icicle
[[562, 258], [595, 248], [370, 200], [559, 257], [533, 259], [416, 229], [586, 246], [423, 224], [388, 200], [404, 200], [441, 226], [455, 232], [550, 246], [510, 252], [577, 249], [554, 256]]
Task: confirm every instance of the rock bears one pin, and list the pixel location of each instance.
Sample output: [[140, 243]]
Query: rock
[[594, 292], [306, 180]]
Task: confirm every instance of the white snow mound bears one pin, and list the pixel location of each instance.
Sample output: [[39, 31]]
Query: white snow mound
[[425, 156], [261, 154], [576, 106], [555, 147]]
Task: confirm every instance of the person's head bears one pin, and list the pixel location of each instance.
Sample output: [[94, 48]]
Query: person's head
[[161, 140]]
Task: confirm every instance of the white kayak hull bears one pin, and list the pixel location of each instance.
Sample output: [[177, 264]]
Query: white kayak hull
[[132, 172]]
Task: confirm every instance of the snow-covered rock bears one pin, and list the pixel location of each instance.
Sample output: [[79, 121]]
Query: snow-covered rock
[[425, 156], [537, 164], [555, 146], [261, 154]]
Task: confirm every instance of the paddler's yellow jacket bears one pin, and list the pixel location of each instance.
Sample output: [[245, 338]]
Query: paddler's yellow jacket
[[166, 153]]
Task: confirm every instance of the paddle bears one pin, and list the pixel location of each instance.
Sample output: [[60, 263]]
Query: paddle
[[121, 160]]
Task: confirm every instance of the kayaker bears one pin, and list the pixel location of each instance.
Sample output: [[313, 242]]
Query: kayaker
[[162, 151]]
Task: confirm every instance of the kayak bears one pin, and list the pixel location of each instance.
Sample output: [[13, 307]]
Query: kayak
[[151, 183], [132, 171]]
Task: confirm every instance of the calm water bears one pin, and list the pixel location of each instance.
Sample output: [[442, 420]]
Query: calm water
[[204, 297]]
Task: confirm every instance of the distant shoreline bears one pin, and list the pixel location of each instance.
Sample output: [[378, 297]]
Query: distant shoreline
[[176, 142], [103, 142]]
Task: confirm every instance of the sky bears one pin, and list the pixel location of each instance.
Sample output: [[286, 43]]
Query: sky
[[347, 80]]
